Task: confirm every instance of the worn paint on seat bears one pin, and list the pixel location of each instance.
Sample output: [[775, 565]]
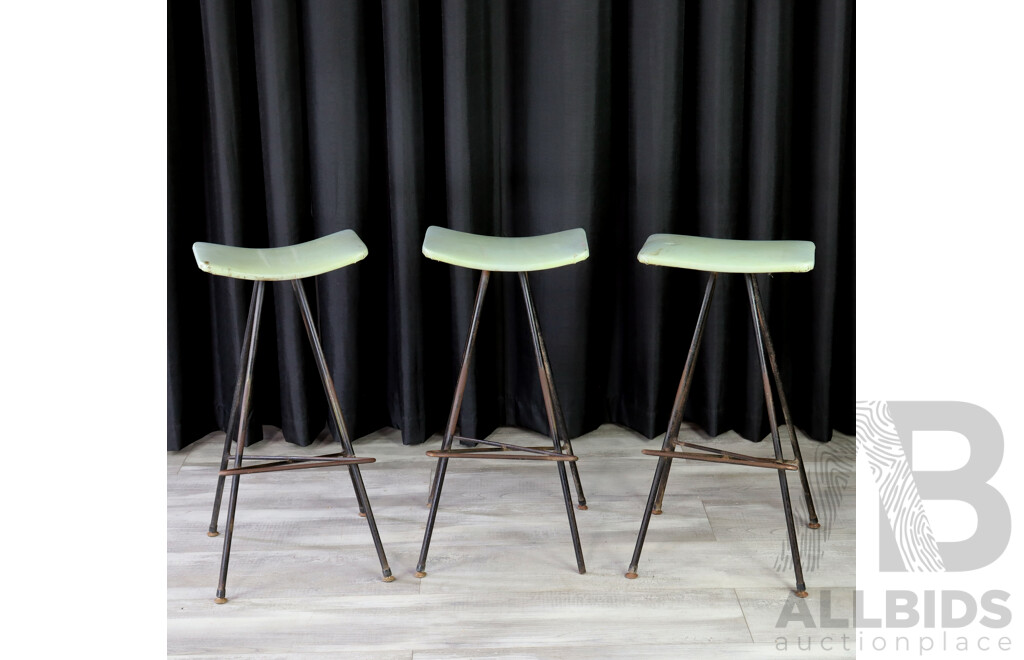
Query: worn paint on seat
[[506, 253], [291, 262], [723, 255]]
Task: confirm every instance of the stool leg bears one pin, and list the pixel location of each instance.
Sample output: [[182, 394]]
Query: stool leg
[[813, 524], [453, 419], [430, 493], [329, 391], [233, 418], [339, 421], [243, 424], [674, 423], [348, 451], [801, 588], [683, 391], [563, 434], [547, 391]]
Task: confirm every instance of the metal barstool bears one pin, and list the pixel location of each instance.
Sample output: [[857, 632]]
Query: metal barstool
[[290, 263], [518, 255], [716, 255]]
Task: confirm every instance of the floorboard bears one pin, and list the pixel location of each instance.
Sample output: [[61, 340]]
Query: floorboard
[[715, 576]]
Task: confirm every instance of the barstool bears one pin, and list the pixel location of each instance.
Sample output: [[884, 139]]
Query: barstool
[[716, 255], [291, 263], [518, 255]]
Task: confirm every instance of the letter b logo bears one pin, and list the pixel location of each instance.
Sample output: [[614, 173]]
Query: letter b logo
[[906, 541]]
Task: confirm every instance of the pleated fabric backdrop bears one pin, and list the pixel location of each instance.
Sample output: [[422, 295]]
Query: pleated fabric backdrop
[[723, 118]]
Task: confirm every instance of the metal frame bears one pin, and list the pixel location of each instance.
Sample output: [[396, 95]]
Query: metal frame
[[779, 463], [238, 425], [562, 449]]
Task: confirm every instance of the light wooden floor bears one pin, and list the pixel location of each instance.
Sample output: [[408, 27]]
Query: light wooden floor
[[502, 581]]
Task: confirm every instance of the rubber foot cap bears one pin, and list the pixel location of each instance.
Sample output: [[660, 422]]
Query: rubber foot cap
[[801, 594], [630, 576], [814, 525], [220, 601], [213, 533], [390, 578], [421, 574], [656, 512], [362, 514], [582, 507]]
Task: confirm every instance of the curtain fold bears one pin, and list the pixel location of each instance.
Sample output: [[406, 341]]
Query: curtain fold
[[723, 118], [345, 192], [282, 114]]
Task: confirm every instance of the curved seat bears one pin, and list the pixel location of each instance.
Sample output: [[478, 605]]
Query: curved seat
[[719, 256], [503, 253], [723, 255], [290, 262]]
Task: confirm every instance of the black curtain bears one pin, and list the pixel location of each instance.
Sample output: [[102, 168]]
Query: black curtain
[[723, 118]]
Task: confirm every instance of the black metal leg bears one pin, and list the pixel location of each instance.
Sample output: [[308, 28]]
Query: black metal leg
[[674, 423], [675, 420], [433, 474], [563, 434], [233, 418], [801, 588], [351, 474], [243, 423], [659, 473], [762, 321], [545, 386], [339, 420], [453, 419], [343, 436]]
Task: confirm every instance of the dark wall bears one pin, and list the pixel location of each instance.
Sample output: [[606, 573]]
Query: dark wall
[[723, 118]]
